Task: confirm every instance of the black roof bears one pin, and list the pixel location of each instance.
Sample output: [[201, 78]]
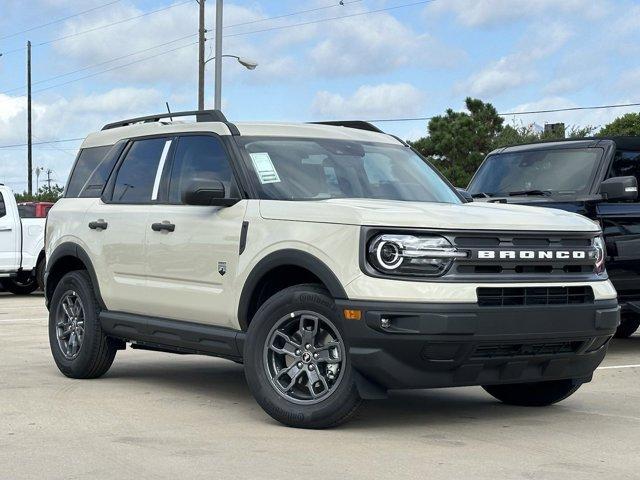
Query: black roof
[[622, 143]]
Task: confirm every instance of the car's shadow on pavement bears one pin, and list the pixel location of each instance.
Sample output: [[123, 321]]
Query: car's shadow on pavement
[[222, 379], [224, 382]]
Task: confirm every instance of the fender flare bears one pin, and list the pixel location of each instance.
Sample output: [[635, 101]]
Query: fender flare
[[287, 257], [71, 249]]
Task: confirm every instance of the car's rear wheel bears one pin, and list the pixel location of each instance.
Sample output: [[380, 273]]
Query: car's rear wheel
[[537, 394], [78, 345], [296, 360], [23, 283], [629, 323]]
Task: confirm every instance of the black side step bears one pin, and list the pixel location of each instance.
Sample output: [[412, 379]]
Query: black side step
[[174, 335]]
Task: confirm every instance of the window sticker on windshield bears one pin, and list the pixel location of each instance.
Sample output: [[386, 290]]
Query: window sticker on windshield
[[264, 168]]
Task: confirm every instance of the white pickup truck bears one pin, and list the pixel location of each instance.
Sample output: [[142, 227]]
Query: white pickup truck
[[22, 258]]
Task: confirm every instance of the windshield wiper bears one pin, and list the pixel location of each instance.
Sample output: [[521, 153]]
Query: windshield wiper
[[482, 195], [533, 192]]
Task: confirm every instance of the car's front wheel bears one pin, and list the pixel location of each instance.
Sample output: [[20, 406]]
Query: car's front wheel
[[537, 394], [79, 346], [296, 360]]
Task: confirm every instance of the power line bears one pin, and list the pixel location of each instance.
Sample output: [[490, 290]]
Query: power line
[[291, 14], [508, 114], [113, 68], [124, 20], [46, 142], [368, 12], [552, 110], [228, 35], [89, 67], [37, 27]]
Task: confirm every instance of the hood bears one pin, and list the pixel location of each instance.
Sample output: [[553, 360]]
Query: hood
[[442, 216]]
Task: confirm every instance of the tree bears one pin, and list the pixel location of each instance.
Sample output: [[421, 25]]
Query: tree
[[626, 125], [458, 141], [520, 134], [45, 193]]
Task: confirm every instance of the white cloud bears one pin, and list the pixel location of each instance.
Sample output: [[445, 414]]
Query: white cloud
[[629, 80], [177, 66], [475, 13], [518, 68], [384, 100], [375, 44], [350, 46], [63, 118]]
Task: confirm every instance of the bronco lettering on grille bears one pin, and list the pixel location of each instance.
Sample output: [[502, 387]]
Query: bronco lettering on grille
[[533, 254]]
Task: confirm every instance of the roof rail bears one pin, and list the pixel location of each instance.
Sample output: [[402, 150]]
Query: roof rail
[[201, 116], [359, 124]]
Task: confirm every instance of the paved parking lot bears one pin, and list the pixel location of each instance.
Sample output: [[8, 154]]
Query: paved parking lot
[[165, 416]]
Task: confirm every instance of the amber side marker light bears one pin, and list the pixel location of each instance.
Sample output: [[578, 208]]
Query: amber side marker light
[[352, 314]]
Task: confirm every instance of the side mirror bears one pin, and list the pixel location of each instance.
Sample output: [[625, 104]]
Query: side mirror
[[620, 189], [208, 193], [466, 195]]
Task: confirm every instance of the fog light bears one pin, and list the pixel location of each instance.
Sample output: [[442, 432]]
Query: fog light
[[385, 322]]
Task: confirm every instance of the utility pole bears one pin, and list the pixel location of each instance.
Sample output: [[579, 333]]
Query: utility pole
[[29, 142], [218, 59], [201, 39], [49, 179]]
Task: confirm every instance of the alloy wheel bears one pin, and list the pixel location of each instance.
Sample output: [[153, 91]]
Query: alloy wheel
[[70, 324], [304, 357]]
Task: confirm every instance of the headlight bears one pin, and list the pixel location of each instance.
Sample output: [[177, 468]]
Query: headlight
[[411, 255], [601, 253]]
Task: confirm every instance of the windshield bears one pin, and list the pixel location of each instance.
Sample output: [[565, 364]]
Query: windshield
[[318, 169], [562, 171]]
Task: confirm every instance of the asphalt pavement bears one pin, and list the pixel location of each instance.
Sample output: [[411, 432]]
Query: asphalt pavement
[[159, 416]]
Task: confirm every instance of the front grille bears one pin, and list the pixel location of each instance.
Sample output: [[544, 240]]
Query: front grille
[[526, 349], [511, 296], [518, 268]]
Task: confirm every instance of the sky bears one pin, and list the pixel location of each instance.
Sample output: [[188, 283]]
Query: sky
[[98, 61]]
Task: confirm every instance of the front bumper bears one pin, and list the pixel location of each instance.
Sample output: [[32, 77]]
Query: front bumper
[[446, 345]]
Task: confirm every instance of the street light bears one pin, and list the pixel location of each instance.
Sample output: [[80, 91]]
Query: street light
[[245, 62]]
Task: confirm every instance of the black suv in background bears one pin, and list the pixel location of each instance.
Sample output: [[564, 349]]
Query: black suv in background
[[595, 177]]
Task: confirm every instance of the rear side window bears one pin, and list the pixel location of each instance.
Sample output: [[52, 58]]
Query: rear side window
[[98, 179], [87, 162], [3, 208], [199, 158], [135, 179]]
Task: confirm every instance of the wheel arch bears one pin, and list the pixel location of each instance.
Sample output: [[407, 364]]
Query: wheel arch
[[41, 255], [306, 269], [65, 258]]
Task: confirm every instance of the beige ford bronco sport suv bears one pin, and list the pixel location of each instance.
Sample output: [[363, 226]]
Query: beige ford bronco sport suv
[[330, 259]]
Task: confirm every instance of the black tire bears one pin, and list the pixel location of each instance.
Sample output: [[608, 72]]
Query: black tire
[[539, 394], [629, 323], [96, 352], [340, 403], [22, 284], [40, 273]]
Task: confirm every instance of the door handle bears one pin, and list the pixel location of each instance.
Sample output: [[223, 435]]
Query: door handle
[[166, 226], [5, 229], [98, 225]]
